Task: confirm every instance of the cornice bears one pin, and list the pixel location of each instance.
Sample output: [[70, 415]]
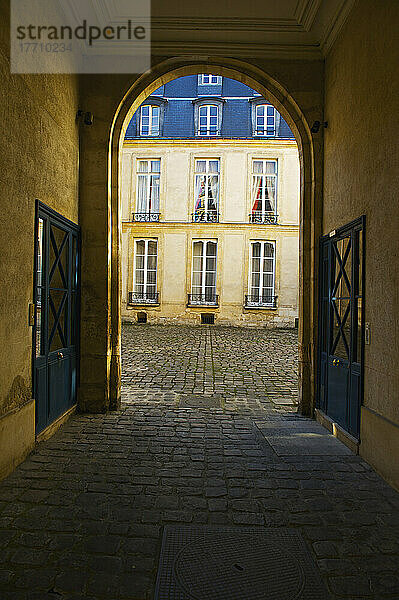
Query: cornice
[[238, 50], [226, 24], [305, 13], [336, 25]]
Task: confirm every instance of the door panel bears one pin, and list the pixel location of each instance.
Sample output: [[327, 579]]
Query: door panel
[[57, 315], [341, 309]]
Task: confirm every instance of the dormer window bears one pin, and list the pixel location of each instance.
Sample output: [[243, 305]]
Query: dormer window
[[207, 79], [150, 120], [265, 120], [208, 119]]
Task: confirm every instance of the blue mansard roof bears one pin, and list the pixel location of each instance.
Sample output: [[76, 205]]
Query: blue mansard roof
[[179, 102]]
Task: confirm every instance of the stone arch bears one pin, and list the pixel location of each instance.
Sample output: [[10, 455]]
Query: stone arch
[[310, 203]]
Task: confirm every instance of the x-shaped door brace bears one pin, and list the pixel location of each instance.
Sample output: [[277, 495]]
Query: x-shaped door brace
[[342, 273], [58, 252]]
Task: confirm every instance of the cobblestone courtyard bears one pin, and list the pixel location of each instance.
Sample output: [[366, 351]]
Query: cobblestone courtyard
[[207, 435]]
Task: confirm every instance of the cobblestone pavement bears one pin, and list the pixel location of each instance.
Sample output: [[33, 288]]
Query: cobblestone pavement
[[222, 364], [82, 517]]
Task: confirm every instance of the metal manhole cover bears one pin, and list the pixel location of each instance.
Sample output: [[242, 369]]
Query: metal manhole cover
[[215, 563]]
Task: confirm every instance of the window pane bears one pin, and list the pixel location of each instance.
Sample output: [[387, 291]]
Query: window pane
[[258, 166], [38, 323], [140, 246], [256, 249], [213, 111], [197, 263], [59, 243], [211, 249], [197, 249], [270, 110], [267, 280], [139, 262], [40, 235], [152, 262], [211, 264], [255, 265], [151, 277], [145, 110], [156, 166], [210, 279], [270, 167], [152, 248], [143, 166], [269, 250], [203, 110], [200, 166], [268, 265], [260, 110]]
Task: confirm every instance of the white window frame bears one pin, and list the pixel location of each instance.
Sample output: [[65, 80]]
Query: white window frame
[[264, 132], [204, 270], [264, 175], [260, 302], [148, 174], [207, 173], [209, 79], [151, 108], [145, 270], [208, 117]]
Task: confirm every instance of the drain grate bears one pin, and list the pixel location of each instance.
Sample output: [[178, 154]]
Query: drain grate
[[228, 563]]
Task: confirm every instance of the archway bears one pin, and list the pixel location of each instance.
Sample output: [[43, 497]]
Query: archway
[[309, 204]]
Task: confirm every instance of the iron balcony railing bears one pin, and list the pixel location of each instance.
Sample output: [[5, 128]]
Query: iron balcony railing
[[208, 299], [143, 298], [146, 217], [264, 218], [199, 216], [260, 301]]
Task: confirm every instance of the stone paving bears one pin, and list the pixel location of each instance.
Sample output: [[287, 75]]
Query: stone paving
[[82, 518], [222, 365]]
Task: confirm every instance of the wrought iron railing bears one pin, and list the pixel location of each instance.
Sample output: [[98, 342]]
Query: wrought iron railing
[[260, 301], [146, 217], [211, 216], [143, 298], [207, 299], [264, 218]]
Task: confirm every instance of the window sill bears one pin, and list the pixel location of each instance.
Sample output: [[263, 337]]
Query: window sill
[[142, 304], [260, 307]]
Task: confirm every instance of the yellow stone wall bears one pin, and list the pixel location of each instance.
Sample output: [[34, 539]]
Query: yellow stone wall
[[38, 160], [175, 232], [361, 176]]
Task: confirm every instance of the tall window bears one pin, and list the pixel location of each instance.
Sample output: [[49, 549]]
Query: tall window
[[149, 120], [206, 201], [203, 282], [262, 274], [208, 119], [148, 179], [207, 79], [264, 185], [145, 272], [265, 120]]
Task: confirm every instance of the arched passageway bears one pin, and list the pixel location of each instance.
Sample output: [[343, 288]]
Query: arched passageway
[[309, 201]]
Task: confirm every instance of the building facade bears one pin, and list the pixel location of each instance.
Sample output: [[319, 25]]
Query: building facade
[[210, 207]]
